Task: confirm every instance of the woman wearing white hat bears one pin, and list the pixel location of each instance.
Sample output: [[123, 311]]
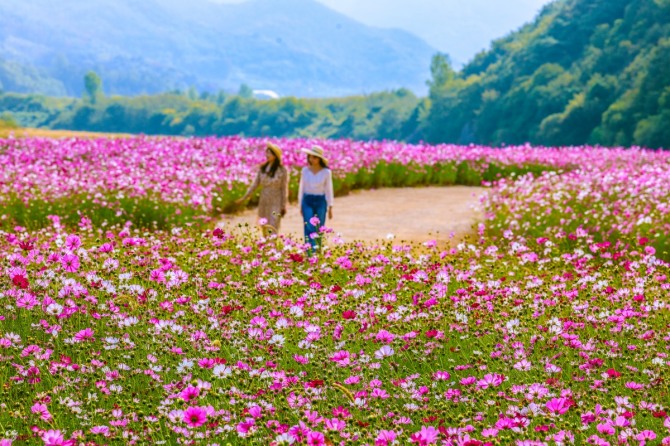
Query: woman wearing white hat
[[315, 194], [273, 178]]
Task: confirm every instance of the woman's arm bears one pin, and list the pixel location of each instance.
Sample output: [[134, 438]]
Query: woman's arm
[[284, 190], [252, 187], [301, 188], [330, 194]]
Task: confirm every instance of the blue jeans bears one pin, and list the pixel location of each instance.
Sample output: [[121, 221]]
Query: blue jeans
[[313, 205]]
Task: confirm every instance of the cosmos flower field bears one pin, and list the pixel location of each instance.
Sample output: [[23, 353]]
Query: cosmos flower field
[[127, 317]]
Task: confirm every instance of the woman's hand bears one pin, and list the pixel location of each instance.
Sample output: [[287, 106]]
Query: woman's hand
[[330, 213]]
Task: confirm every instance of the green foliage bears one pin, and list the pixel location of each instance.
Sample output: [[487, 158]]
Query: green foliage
[[93, 85], [7, 121], [585, 71], [393, 115], [245, 92]]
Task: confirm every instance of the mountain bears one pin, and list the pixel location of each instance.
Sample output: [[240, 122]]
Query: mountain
[[294, 47], [584, 71]]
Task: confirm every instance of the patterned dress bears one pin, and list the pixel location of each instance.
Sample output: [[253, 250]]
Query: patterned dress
[[274, 195]]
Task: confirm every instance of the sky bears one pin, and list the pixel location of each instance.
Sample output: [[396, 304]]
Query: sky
[[460, 28]]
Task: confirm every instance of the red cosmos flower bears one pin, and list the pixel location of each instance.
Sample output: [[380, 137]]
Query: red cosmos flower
[[227, 309], [613, 373], [431, 333], [218, 233], [552, 381], [660, 414], [26, 246], [643, 241], [20, 282], [348, 314], [297, 258]]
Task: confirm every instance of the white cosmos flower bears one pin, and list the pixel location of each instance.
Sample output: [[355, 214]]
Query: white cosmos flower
[[54, 309], [384, 352], [222, 371]]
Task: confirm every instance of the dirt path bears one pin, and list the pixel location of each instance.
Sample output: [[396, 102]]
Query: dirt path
[[411, 214]]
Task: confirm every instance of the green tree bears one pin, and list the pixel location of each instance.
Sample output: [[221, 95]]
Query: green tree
[[93, 85], [245, 92]]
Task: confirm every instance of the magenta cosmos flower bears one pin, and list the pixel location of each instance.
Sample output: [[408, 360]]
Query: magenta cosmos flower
[[84, 335], [195, 416], [55, 438], [70, 263], [426, 436]]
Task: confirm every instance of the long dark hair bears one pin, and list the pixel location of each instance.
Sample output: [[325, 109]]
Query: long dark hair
[[322, 163], [271, 169]]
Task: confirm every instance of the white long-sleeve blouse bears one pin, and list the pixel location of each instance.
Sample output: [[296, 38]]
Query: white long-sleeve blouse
[[320, 183]]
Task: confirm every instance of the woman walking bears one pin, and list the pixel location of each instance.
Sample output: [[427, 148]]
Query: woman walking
[[272, 177], [315, 194]]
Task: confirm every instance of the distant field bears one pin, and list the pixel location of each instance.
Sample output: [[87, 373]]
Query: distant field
[[46, 133]]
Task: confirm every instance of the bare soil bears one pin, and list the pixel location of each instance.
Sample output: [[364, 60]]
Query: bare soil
[[5, 132], [410, 214]]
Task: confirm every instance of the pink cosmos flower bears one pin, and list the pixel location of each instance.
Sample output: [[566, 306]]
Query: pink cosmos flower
[[70, 263], [621, 421], [441, 375], [157, 275], [84, 335], [646, 435], [72, 242], [490, 432], [384, 336], [256, 411], [207, 363], [335, 424], [195, 416], [426, 436], [385, 438], [468, 381], [605, 428], [342, 358], [106, 247], [54, 438], [315, 438], [245, 427], [490, 380], [301, 359], [558, 405], [190, 393], [104, 430], [380, 393], [42, 410]]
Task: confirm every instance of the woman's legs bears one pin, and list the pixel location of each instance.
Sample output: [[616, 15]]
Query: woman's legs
[[314, 206]]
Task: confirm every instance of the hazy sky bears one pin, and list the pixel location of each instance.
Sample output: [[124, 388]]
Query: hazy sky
[[460, 28]]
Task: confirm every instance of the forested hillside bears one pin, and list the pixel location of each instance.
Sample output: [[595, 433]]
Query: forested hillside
[[585, 71]]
